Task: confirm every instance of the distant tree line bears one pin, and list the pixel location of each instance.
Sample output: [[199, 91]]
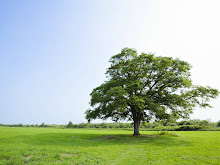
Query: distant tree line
[[185, 125], [34, 125]]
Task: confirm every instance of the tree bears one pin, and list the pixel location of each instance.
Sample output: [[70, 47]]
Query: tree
[[70, 124], [218, 123], [145, 87], [43, 125]]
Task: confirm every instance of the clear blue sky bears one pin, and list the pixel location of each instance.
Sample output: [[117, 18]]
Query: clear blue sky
[[53, 53]]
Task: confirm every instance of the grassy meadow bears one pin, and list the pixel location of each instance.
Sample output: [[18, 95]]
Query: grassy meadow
[[106, 146]]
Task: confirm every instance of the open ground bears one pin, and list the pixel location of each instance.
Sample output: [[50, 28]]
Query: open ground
[[107, 146]]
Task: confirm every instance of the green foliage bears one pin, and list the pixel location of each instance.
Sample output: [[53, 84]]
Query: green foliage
[[189, 122], [189, 128], [203, 123], [170, 124], [104, 125], [20, 125], [42, 125], [70, 125], [156, 126], [145, 87], [146, 125], [212, 125], [83, 125], [218, 123]]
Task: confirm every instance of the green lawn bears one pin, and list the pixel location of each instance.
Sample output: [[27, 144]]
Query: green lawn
[[81, 146]]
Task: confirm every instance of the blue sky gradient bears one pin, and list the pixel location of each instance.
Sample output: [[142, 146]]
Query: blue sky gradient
[[53, 53]]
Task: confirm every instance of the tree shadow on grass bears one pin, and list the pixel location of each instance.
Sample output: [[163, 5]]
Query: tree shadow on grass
[[86, 139]]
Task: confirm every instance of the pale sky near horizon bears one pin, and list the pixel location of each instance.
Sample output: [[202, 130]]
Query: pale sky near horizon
[[53, 53]]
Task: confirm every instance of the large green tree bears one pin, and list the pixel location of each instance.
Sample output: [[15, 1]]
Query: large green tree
[[145, 87]]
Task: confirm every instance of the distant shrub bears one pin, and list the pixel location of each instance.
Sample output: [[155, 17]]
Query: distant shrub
[[212, 125], [218, 123], [104, 125], [189, 128], [95, 126], [203, 123], [181, 122], [19, 125], [83, 125], [155, 124], [188, 122], [169, 124], [70, 125], [111, 125], [123, 125], [211, 129], [195, 121], [146, 125], [42, 125]]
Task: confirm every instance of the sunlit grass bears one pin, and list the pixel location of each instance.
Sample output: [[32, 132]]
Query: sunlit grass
[[81, 146]]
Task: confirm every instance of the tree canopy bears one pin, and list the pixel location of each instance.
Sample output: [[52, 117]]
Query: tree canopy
[[145, 87]]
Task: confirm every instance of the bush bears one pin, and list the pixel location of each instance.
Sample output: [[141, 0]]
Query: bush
[[188, 122], [70, 125], [94, 126], [42, 125], [189, 128], [195, 121], [203, 123], [169, 124], [181, 122], [155, 124], [111, 125], [218, 123], [104, 125], [83, 125], [124, 125], [212, 125], [19, 125], [146, 125]]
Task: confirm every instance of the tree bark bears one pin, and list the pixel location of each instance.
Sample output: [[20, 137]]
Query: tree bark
[[136, 128]]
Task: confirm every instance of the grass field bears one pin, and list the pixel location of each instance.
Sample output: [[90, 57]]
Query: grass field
[[81, 146]]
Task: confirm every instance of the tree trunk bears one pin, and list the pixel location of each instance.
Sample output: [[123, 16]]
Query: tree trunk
[[136, 128]]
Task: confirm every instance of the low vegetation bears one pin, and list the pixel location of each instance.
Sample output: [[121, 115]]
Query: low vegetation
[[22, 145], [185, 125]]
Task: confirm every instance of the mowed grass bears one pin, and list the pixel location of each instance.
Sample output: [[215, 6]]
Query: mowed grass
[[81, 146]]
